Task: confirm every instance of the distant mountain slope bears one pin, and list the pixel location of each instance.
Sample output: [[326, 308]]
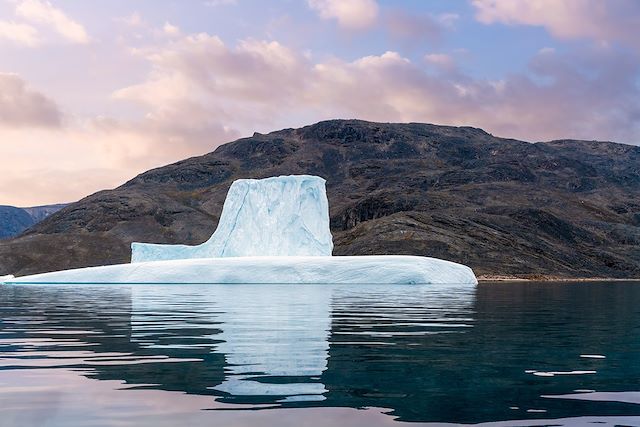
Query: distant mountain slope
[[14, 221], [38, 213], [506, 207]]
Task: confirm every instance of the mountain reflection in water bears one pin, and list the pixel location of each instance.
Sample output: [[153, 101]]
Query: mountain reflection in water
[[424, 353]]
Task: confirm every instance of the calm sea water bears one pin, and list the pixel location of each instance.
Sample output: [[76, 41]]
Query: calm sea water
[[315, 355]]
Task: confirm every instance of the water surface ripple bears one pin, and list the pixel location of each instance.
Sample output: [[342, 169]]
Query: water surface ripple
[[280, 355]]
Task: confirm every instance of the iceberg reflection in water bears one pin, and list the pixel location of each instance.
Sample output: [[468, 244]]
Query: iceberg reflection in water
[[426, 354], [276, 341], [281, 333]]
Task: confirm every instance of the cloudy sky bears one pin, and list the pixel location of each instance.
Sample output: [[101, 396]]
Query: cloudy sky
[[94, 92]]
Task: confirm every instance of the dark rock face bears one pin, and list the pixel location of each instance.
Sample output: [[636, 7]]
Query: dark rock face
[[14, 221], [504, 207]]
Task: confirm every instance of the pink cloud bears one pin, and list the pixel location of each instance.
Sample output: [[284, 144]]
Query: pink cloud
[[603, 21], [260, 83], [441, 60], [44, 13], [19, 33], [350, 14], [200, 92], [22, 106]]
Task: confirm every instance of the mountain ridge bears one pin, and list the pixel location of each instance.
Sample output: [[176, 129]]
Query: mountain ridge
[[14, 220], [563, 208]]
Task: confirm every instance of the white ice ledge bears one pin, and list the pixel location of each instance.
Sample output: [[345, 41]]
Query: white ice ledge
[[380, 269]]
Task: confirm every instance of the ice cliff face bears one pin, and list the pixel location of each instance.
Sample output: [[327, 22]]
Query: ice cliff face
[[279, 216]]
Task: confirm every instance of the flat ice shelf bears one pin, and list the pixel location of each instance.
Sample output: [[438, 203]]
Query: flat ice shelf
[[383, 269]]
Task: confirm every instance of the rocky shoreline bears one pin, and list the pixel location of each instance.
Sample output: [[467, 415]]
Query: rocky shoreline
[[542, 278]]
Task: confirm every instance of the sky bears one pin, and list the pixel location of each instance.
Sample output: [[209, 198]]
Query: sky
[[94, 92]]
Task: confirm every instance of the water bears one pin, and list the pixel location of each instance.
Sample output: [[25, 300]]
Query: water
[[314, 355]]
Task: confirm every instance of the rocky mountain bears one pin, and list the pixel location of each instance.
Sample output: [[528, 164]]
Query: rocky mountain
[[505, 207], [14, 221]]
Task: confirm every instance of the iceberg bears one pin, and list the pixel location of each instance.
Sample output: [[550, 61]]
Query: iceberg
[[273, 230]]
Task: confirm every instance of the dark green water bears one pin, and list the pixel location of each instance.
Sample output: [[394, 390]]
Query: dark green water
[[313, 355]]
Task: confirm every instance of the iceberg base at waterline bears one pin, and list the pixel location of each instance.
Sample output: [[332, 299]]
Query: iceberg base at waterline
[[379, 269]]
